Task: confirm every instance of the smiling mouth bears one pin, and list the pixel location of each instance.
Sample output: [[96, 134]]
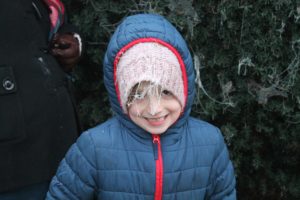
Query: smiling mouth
[[156, 121]]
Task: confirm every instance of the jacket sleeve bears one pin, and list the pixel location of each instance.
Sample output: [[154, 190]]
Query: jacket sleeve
[[222, 176], [75, 177]]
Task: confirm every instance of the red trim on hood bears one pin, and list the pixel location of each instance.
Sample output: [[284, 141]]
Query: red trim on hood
[[150, 39]]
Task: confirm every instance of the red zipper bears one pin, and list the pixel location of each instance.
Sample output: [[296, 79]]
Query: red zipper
[[158, 168]]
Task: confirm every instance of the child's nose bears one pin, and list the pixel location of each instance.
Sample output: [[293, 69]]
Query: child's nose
[[154, 106]]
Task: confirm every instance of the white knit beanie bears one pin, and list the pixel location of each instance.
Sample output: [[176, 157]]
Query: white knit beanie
[[153, 62]]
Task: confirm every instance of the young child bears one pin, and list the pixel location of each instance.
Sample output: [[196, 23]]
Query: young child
[[152, 148]]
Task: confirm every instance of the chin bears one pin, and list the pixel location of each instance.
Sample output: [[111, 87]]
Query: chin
[[157, 131]]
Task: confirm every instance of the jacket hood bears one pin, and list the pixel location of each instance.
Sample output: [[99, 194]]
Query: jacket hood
[[147, 28]]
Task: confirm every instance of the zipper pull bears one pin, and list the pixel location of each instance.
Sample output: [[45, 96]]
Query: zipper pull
[[156, 142]]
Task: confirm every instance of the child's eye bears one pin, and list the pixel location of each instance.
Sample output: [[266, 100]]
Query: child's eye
[[138, 96], [135, 98], [166, 92]]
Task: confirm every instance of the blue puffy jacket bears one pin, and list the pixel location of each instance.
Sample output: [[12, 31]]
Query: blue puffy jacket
[[119, 160]]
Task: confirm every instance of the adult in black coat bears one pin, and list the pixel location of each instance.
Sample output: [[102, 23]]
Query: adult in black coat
[[37, 115]]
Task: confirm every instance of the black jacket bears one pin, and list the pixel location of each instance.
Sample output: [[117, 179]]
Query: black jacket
[[37, 117]]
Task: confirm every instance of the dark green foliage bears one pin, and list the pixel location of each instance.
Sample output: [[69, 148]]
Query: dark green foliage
[[247, 54]]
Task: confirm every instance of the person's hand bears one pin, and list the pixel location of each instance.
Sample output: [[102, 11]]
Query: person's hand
[[65, 47]]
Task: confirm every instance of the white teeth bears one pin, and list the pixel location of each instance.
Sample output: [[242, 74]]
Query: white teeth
[[155, 119]]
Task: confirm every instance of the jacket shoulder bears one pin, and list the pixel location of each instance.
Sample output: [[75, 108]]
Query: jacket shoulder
[[204, 133], [103, 134]]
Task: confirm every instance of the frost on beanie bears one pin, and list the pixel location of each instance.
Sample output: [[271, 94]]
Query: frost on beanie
[[151, 62]]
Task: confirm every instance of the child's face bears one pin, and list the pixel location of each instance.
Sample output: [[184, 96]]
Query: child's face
[[152, 108]]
